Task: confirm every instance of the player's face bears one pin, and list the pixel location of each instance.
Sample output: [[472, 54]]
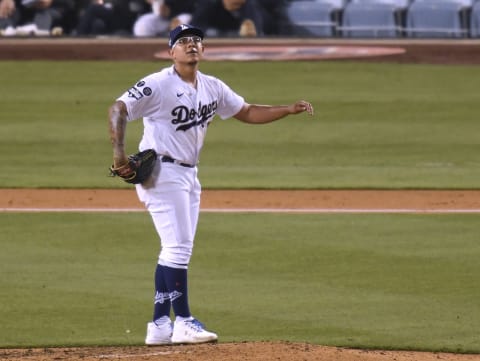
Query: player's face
[[187, 49]]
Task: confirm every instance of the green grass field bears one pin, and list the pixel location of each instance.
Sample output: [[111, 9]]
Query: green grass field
[[369, 281], [375, 125], [376, 281]]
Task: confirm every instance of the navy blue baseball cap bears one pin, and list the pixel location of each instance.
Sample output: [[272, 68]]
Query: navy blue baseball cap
[[182, 30]]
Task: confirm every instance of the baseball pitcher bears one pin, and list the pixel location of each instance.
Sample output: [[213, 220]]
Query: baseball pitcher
[[177, 104]]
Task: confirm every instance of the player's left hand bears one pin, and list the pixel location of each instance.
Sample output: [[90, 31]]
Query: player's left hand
[[138, 167], [301, 106]]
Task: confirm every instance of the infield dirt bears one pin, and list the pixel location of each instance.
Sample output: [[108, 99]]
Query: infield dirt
[[314, 200]]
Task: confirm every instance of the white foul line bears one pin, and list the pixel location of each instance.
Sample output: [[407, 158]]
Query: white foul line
[[335, 210], [251, 210], [80, 210]]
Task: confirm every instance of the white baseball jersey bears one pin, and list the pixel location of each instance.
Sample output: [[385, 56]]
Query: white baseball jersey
[[176, 115]]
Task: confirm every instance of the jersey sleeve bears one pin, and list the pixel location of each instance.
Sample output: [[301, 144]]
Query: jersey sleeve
[[142, 99], [229, 103]]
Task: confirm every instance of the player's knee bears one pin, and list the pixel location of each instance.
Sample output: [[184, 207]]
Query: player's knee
[[175, 256]]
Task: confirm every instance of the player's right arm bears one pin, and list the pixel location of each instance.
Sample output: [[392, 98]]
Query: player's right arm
[[260, 114], [118, 123]]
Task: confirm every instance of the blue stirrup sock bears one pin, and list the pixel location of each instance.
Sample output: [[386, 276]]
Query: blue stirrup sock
[[176, 280], [162, 304]]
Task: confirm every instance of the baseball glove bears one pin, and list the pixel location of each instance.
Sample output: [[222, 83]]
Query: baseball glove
[[138, 168]]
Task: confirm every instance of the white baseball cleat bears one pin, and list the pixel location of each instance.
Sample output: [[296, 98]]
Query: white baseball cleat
[[191, 331], [159, 334]]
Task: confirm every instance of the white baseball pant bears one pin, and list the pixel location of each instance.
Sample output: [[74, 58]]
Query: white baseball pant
[[172, 197]]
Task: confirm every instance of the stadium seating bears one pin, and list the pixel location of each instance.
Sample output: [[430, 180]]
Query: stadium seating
[[385, 18], [368, 19], [315, 18], [435, 19], [464, 13], [464, 3], [397, 3], [338, 4], [475, 21]]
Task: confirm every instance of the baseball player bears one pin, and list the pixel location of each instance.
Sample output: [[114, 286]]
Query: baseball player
[[177, 105]]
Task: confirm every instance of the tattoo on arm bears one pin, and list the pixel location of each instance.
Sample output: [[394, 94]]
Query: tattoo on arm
[[118, 122]]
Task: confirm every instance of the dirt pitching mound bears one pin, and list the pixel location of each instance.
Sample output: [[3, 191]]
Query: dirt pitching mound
[[252, 351]]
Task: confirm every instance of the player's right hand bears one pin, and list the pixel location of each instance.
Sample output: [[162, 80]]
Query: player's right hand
[[301, 106]]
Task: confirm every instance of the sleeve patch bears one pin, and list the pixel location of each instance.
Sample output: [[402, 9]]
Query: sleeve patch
[[135, 93]]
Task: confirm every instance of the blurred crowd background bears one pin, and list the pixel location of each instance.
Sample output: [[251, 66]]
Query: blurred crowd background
[[242, 18], [140, 18]]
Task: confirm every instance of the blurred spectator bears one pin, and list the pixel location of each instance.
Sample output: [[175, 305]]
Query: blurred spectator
[[8, 14], [109, 17], [228, 18], [36, 17], [165, 15], [275, 19]]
